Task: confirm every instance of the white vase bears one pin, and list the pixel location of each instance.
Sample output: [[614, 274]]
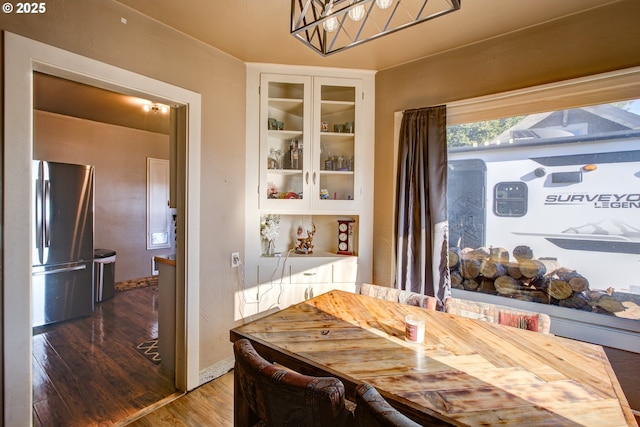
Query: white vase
[[271, 247]]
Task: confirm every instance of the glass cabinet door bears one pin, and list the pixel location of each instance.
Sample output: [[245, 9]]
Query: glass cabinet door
[[284, 146], [335, 143]]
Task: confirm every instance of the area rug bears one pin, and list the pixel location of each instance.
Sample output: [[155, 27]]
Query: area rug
[[142, 282], [149, 349]]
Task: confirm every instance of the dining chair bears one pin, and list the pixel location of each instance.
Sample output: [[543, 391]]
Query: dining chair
[[382, 292], [274, 396], [372, 410], [418, 300], [396, 295], [493, 313]]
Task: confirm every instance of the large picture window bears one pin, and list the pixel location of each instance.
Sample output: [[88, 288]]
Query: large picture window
[[557, 190]]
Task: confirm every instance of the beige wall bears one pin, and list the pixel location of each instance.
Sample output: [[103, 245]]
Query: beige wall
[[119, 155], [93, 28], [600, 40]]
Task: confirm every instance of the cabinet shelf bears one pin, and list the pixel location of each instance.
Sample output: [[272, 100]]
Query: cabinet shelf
[[285, 134], [287, 105], [284, 171], [332, 172], [336, 135], [333, 107], [315, 255]]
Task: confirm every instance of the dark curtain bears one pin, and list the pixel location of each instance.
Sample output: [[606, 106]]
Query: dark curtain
[[421, 227]]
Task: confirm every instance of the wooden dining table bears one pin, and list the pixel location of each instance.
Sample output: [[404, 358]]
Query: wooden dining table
[[466, 372]]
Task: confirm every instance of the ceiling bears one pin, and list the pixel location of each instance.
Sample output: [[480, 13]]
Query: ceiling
[[258, 30], [61, 96]]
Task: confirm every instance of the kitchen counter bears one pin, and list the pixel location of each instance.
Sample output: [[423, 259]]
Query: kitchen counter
[[166, 259], [166, 265]]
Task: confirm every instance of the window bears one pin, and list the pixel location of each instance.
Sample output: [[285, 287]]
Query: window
[[158, 213], [559, 187], [510, 199]]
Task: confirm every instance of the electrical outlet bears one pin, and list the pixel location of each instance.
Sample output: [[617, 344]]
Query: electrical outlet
[[235, 259]]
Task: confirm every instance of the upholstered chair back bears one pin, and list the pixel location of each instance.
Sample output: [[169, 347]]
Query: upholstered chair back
[[372, 410], [282, 397]]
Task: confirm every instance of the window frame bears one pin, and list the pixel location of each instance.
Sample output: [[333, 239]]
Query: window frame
[[620, 85]]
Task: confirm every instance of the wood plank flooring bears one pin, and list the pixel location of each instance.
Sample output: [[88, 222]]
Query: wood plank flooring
[[210, 405], [105, 381], [87, 371]]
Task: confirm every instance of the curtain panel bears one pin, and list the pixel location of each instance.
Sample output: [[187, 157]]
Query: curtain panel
[[421, 226]]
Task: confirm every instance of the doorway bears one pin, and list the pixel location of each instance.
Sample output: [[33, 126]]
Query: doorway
[[22, 57], [108, 347]]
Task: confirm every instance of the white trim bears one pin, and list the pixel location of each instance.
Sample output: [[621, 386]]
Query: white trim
[[597, 89], [22, 57]]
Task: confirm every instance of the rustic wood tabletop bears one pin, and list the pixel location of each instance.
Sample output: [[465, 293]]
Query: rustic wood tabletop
[[466, 372]]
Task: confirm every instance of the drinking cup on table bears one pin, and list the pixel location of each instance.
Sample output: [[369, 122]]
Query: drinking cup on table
[[414, 328]]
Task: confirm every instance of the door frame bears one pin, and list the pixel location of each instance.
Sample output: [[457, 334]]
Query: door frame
[[23, 56]]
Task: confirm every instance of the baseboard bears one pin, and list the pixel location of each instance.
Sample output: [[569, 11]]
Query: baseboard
[[217, 370]]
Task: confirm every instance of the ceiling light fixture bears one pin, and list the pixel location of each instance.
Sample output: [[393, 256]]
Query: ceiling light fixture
[[155, 108], [330, 24], [323, 24], [356, 13], [383, 4]]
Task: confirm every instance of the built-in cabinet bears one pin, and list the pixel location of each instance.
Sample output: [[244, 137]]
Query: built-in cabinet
[[309, 166], [310, 143]]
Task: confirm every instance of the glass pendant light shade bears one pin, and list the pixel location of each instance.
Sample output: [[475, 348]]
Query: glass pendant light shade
[[357, 13], [383, 4], [331, 24]]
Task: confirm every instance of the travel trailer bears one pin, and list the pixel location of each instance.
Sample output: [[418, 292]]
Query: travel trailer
[[567, 193]]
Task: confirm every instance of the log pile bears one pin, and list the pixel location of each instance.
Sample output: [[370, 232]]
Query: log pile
[[522, 276]]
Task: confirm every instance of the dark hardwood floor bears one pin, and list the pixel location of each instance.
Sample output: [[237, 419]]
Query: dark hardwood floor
[[211, 405], [87, 371]]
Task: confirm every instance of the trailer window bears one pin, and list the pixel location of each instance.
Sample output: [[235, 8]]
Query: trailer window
[[559, 190], [510, 199]]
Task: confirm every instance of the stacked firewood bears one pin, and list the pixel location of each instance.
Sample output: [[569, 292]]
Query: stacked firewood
[[522, 276]]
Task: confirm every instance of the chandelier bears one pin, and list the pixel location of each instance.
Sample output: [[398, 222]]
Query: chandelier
[[330, 26]]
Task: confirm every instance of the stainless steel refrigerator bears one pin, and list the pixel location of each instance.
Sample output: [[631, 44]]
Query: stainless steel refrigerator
[[62, 256]]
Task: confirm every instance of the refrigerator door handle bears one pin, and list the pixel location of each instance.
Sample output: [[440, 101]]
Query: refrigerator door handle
[[60, 270], [46, 213], [39, 229]]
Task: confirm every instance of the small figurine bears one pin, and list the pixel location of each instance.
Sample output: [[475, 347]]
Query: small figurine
[[305, 244], [272, 191]]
